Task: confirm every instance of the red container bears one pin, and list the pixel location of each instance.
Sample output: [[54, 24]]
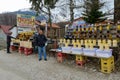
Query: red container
[[60, 54], [12, 48], [60, 59], [21, 49], [28, 51], [80, 63]]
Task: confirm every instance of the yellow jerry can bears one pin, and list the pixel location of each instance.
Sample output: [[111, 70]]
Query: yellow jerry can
[[108, 27], [101, 46], [81, 41], [109, 42], [104, 41], [118, 27], [107, 47], [115, 43]]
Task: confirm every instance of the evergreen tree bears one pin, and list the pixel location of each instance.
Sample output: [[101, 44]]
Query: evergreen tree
[[116, 10], [92, 13]]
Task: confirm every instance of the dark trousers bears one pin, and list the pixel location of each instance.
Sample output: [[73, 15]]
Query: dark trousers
[[8, 47]]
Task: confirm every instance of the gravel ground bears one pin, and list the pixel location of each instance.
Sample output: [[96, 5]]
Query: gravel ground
[[20, 67], [2, 43]]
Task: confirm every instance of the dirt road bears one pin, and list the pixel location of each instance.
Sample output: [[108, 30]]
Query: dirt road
[[20, 67]]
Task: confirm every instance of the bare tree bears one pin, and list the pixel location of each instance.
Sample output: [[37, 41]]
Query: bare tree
[[68, 7]]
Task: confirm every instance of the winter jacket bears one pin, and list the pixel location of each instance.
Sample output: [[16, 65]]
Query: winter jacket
[[35, 39], [41, 40]]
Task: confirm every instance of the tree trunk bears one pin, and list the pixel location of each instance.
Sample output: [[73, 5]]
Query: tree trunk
[[71, 11], [50, 21], [116, 10]]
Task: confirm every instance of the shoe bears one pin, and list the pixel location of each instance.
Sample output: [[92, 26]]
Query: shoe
[[40, 59], [9, 52], [45, 59]]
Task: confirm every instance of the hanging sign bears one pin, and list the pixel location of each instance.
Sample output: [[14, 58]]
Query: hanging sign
[[25, 20]]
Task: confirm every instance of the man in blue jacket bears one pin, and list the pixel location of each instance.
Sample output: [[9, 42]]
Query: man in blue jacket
[[41, 41]]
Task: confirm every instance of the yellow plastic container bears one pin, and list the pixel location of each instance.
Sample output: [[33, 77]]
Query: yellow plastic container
[[101, 46], [73, 41], [100, 28], [90, 28], [90, 41], [91, 46], [80, 58], [79, 45], [104, 41], [87, 46], [107, 65], [86, 41], [82, 42], [95, 29], [86, 29], [82, 29], [108, 60], [61, 40], [77, 41], [107, 69], [74, 30], [108, 27], [107, 47], [118, 27], [66, 44], [109, 42], [64, 40], [79, 29], [74, 45], [94, 42], [68, 41], [99, 42], [115, 43]]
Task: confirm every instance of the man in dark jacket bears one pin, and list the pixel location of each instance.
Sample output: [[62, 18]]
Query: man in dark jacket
[[41, 41], [35, 39], [8, 42]]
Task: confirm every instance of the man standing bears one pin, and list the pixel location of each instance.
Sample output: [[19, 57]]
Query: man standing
[[8, 42], [34, 39], [41, 41]]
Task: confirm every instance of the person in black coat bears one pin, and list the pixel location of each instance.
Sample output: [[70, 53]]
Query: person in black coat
[[41, 41], [35, 47], [8, 42]]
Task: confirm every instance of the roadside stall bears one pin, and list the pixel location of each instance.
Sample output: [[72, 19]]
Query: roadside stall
[[96, 41], [24, 31]]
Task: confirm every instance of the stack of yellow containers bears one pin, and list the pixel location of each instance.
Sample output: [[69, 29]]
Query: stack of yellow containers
[[107, 65]]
